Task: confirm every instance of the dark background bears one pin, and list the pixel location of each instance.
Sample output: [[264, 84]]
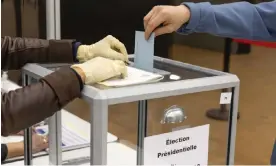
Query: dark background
[[90, 21]]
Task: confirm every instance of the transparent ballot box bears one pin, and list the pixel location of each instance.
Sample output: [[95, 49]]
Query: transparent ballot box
[[156, 123]]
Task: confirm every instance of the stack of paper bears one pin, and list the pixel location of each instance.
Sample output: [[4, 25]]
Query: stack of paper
[[69, 137], [135, 76]]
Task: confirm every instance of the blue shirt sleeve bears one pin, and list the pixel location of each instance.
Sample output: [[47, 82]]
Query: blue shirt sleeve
[[273, 156], [235, 20]]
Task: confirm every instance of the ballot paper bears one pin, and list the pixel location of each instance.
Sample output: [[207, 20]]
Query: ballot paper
[[69, 137], [135, 76], [144, 51]]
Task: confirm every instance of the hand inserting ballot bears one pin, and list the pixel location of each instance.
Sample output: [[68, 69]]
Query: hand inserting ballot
[[100, 69], [165, 19], [109, 47]]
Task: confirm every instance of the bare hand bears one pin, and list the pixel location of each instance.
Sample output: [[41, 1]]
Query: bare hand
[[21, 133], [39, 143], [170, 18]]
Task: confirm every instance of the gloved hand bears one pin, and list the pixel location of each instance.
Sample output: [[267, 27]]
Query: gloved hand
[[100, 69], [109, 47]]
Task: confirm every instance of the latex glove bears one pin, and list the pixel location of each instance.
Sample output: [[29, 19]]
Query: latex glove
[[170, 17], [109, 47], [100, 69]]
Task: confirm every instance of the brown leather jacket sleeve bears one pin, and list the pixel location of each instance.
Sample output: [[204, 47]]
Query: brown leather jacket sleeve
[[29, 105], [16, 52], [24, 107]]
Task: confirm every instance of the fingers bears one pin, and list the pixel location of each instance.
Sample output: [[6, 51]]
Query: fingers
[[116, 45], [120, 47], [39, 142], [41, 139], [154, 20], [163, 30], [44, 146], [114, 55], [121, 67], [153, 24], [45, 140], [148, 16]]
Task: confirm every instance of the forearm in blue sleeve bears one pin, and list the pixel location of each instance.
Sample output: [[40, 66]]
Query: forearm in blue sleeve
[[273, 156], [234, 20]]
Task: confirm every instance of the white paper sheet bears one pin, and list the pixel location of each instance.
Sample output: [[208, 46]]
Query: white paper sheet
[[144, 51], [135, 76], [69, 137]]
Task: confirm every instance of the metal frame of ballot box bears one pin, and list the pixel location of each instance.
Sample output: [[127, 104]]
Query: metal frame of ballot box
[[53, 32], [100, 99]]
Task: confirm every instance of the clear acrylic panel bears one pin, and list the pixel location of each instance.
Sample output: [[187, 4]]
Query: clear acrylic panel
[[123, 122], [124, 147], [194, 107]]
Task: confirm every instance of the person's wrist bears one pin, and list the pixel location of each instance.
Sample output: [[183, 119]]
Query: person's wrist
[[16, 145], [185, 12], [76, 46], [15, 149], [84, 53], [20, 145], [80, 72]]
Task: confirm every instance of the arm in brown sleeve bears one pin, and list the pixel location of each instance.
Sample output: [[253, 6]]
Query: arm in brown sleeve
[[16, 52], [29, 105]]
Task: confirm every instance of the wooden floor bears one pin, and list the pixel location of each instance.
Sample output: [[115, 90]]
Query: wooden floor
[[256, 128]]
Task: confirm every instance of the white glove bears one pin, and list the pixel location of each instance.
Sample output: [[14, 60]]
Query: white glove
[[100, 69], [109, 47]]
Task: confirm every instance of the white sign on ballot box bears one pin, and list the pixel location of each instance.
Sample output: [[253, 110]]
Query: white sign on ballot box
[[182, 147]]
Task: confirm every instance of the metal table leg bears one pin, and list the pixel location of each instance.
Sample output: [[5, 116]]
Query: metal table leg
[[142, 130], [99, 129], [53, 32], [222, 113], [28, 156], [55, 144], [233, 116]]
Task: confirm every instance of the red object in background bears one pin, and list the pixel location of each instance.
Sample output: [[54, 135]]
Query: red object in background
[[258, 43]]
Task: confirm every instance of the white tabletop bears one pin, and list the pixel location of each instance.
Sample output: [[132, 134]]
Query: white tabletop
[[117, 153]]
